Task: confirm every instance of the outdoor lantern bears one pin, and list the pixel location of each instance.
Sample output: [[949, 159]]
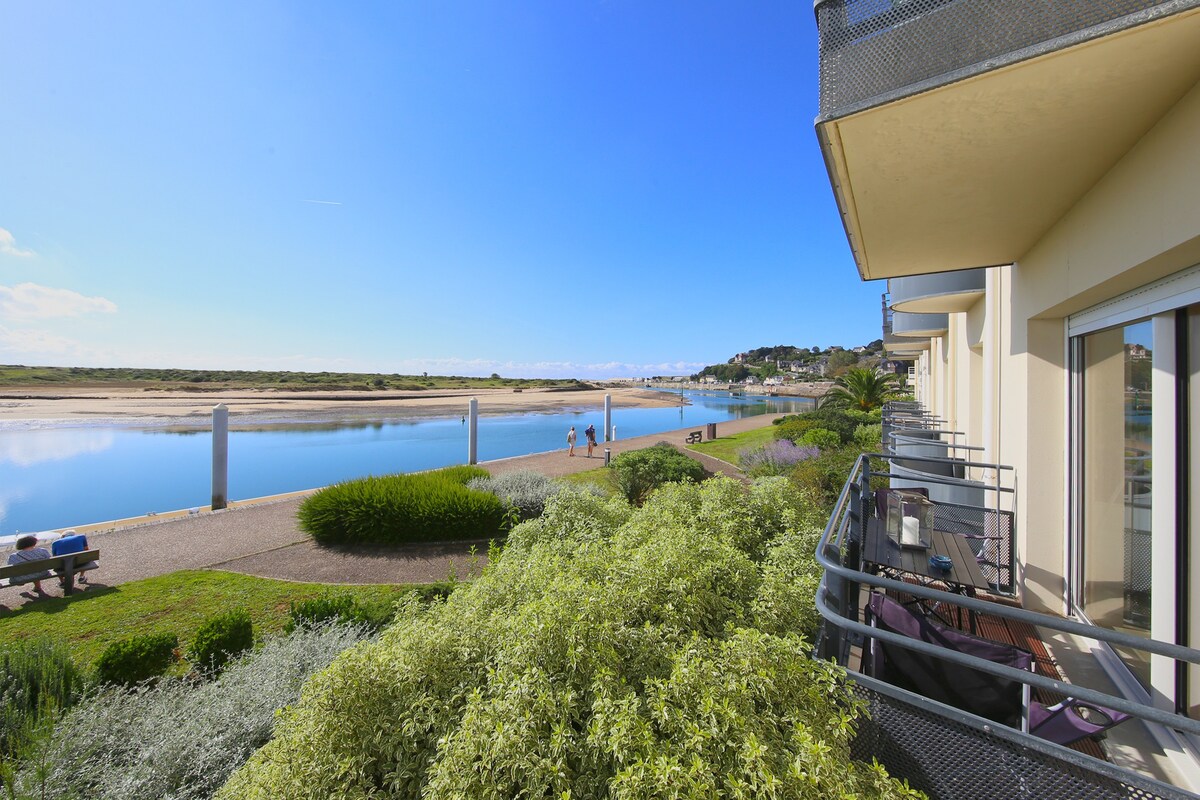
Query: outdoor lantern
[[909, 519]]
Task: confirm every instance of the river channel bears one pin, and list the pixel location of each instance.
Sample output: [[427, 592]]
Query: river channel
[[60, 475]]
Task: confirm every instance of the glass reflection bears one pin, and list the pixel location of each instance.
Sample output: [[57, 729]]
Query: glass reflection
[[1117, 480]]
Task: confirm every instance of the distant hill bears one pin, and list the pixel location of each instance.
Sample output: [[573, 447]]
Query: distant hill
[[789, 361], [200, 380]]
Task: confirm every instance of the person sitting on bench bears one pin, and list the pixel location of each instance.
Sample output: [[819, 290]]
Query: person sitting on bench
[[27, 550]]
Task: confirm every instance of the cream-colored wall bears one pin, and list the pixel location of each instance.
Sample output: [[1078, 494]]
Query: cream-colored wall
[[1140, 222]]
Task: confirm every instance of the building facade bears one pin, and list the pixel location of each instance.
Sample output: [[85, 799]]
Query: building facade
[[1027, 178]]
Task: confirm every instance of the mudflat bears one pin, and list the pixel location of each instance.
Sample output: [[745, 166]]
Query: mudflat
[[256, 407]]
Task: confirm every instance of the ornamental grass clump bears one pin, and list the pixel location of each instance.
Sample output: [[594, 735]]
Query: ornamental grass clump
[[774, 458], [37, 680], [609, 651], [180, 739], [400, 509], [524, 490]]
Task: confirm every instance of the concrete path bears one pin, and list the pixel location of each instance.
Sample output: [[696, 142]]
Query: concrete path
[[263, 538]]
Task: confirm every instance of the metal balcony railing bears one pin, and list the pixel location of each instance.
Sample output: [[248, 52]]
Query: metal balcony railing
[[948, 753], [873, 52]]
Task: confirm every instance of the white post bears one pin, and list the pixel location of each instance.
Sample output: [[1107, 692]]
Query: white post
[[608, 428], [220, 456], [614, 432], [473, 431]]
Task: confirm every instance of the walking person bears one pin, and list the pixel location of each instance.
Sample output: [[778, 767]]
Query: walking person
[[571, 441], [590, 435]]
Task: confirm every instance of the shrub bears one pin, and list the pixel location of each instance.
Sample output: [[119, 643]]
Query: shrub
[[869, 437], [221, 638], [181, 739], [610, 651], [462, 473], [397, 509], [824, 476], [821, 438], [639, 472], [133, 660], [343, 609], [773, 458], [37, 679], [526, 491], [841, 422]]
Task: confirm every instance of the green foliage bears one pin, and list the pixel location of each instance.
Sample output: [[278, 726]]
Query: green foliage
[[841, 422], [610, 651], [824, 476], [869, 437], [341, 608], [180, 602], [842, 359], [524, 490], [821, 438], [37, 680], [128, 662], [221, 638], [179, 738], [640, 472], [397, 509], [864, 389]]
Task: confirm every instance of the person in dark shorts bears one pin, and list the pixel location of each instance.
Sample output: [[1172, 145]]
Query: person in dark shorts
[[590, 435]]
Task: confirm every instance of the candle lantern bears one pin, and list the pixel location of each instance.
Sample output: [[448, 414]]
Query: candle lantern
[[909, 519]]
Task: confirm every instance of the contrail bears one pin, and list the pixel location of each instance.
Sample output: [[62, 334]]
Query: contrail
[[323, 202]]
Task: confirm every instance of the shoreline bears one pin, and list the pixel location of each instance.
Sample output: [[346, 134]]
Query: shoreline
[[39, 407]]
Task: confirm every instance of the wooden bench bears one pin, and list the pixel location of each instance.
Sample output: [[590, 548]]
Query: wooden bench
[[694, 437], [65, 568]]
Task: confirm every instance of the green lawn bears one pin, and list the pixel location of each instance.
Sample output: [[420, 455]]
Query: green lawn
[[602, 477], [178, 603], [726, 447]]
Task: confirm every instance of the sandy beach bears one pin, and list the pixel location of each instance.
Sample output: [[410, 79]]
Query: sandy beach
[[258, 407]]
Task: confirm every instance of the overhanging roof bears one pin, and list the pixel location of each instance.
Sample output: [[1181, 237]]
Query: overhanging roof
[[973, 173]]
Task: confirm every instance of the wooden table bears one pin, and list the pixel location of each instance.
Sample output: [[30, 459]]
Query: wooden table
[[964, 577]]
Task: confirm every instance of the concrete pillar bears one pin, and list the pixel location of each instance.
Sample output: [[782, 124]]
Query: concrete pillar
[[220, 456], [473, 431], [608, 429]]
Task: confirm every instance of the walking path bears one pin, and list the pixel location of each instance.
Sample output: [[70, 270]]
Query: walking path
[[263, 538]]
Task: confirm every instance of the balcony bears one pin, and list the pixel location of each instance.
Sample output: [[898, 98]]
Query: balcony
[[947, 751], [946, 292], [919, 326], [956, 132]]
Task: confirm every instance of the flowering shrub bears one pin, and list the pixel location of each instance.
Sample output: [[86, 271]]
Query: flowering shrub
[[180, 739], [610, 651], [774, 458]]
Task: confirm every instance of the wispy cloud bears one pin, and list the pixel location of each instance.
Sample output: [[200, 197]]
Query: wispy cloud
[[30, 301], [8, 246], [323, 202], [32, 346]]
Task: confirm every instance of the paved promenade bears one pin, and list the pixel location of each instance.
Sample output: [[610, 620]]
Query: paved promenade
[[263, 538]]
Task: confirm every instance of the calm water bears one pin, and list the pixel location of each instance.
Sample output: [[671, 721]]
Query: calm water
[[61, 476]]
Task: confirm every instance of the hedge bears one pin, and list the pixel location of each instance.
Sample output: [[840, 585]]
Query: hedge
[[400, 509]]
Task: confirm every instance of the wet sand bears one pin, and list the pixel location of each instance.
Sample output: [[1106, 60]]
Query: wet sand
[[40, 405]]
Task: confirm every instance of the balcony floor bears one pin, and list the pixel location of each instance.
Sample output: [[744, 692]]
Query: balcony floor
[[1021, 635]]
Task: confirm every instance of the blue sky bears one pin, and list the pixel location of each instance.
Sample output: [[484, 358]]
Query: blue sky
[[586, 189]]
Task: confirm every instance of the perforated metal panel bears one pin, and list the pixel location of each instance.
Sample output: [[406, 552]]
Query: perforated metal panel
[[872, 50], [951, 760]]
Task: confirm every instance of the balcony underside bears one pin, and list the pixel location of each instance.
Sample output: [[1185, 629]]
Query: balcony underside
[[972, 173]]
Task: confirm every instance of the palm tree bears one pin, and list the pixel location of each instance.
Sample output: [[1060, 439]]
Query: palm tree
[[861, 388]]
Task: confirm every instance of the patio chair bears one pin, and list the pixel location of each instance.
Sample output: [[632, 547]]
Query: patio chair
[[1071, 720], [989, 696]]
